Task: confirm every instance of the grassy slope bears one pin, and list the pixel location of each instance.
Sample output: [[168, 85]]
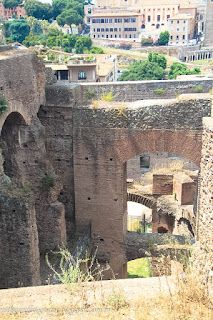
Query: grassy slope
[[139, 268]]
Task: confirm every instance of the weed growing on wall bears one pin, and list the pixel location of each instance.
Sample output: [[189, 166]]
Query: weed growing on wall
[[198, 89], [160, 91], [3, 105], [48, 182], [76, 270], [108, 96], [90, 93]]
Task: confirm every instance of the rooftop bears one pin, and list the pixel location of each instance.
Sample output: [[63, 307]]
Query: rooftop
[[181, 16], [114, 14]]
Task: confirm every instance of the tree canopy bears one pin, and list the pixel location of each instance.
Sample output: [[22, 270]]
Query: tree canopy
[[143, 70], [39, 10], [178, 68], [163, 38], [160, 59], [18, 29], [11, 3]]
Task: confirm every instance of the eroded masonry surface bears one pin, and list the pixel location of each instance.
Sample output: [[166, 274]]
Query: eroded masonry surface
[[63, 163]]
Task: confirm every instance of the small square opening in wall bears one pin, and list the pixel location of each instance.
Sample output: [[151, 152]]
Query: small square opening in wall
[[144, 162], [89, 198], [86, 158], [111, 159]]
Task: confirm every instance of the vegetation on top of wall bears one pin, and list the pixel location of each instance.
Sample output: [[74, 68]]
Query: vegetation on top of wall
[[3, 105]]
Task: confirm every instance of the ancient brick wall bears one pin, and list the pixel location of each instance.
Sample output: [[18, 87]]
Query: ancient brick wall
[[205, 208], [162, 184], [142, 90]]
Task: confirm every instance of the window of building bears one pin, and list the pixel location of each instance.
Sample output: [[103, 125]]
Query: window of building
[[115, 35], [93, 30], [93, 20], [158, 17], [143, 26], [102, 20], [149, 18], [98, 29], [130, 36], [89, 10], [144, 162], [178, 21], [116, 20], [134, 36], [110, 20], [106, 20], [172, 21], [119, 35], [107, 29], [111, 29], [184, 21], [178, 29], [125, 35], [107, 36], [82, 75], [98, 36], [115, 29], [102, 29], [119, 29], [184, 28], [177, 37], [171, 37], [183, 36], [171, 29], [111, 36], [119, 20], [168, 16], [157, 26]]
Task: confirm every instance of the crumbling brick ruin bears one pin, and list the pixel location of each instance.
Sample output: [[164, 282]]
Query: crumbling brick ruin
[[63, 161]]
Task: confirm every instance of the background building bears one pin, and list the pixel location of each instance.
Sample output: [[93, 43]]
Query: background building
[[7, 13]]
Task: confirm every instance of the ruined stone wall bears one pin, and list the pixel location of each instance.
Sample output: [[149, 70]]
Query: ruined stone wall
[[205, 213], [141, 90], [104, 139]]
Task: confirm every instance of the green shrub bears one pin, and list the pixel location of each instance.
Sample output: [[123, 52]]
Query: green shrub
[[90, 93], [198, 89]]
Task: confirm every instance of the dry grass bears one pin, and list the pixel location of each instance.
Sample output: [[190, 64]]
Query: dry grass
[[186, 300]]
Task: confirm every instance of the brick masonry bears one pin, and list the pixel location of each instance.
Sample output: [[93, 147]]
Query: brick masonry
[[85, 151]]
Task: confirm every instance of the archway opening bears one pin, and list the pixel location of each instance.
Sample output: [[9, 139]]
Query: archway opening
[[11, 139]]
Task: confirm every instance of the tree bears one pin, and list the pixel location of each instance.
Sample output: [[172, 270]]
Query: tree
[[11, 3], [31, 40], [83, 43], [158, 58], [143, 70], [181, 69], [19, 29], [58, 6], [39, 10], [163, 38], [69, 17]]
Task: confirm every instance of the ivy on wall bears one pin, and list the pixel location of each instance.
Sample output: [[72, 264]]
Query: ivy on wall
[[3, 105]]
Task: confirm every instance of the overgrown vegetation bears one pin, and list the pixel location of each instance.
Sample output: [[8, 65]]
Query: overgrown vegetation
[[3, 105], [178, 68], [77, 270], [117, 299]]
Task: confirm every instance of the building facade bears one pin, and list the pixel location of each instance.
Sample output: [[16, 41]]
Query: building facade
[[16, 12], [114, 25], [181, 29]]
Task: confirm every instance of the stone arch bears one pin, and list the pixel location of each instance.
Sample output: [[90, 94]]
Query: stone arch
[[142, 199], [183, 143], [11, 139]]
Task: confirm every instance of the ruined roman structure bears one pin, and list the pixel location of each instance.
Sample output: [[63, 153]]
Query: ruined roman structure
[[63, 162]]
